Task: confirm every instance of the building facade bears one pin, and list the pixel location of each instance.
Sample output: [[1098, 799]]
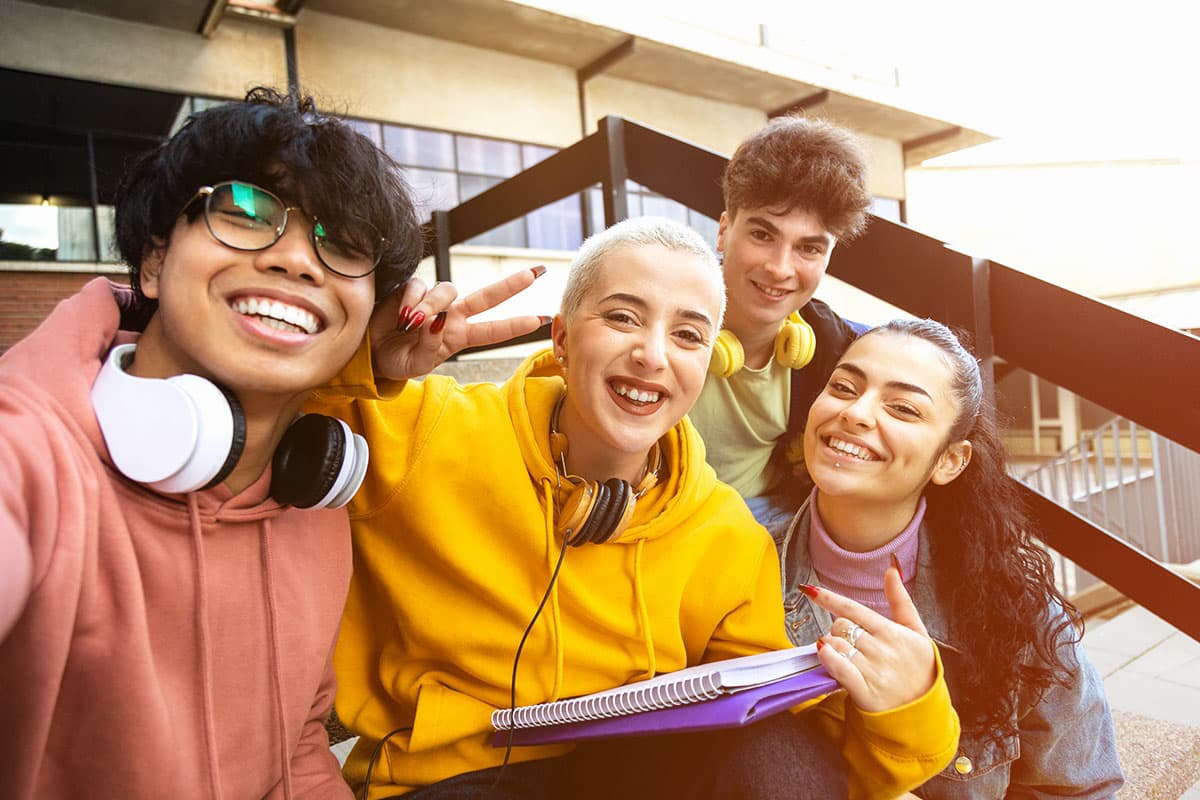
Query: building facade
[[463, 93]]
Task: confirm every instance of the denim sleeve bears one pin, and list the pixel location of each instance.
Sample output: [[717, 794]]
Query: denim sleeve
[[1068, 747]]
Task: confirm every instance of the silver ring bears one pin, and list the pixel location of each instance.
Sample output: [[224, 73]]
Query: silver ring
[[852, 633], [853, 652]]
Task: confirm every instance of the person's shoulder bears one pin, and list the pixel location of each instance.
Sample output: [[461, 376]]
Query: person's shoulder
[[825, 320]]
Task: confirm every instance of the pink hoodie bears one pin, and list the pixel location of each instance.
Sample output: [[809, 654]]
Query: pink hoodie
[[151, 645]]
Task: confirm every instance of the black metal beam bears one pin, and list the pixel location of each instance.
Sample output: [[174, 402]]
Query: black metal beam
[[293, 73], [440, 222], [612, 185], [594, 68], [1136, 575], [568, 171], [1133, 367], [679, 170], [907, 269]]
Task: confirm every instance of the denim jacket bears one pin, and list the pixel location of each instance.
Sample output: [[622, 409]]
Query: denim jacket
[[1064, 745]]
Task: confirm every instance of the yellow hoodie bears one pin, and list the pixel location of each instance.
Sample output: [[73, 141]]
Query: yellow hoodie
[[454, 546]]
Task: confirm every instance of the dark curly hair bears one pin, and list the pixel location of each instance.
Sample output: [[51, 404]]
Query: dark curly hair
[[800, 164], [283, 145], [996, 581]]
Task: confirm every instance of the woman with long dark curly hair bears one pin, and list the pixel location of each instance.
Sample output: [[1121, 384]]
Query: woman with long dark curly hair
[[910, 474]]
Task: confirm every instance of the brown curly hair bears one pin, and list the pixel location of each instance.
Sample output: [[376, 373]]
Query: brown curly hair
[[799, 164]]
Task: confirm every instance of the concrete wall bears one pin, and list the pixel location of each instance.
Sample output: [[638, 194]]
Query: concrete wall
[[708, 123], [88, 47], [394, 76]]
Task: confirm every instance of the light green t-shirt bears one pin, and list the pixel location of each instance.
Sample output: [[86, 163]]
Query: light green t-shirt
[[740, 418]]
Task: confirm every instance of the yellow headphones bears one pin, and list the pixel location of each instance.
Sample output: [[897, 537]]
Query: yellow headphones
[[795, 346], [594, 511]]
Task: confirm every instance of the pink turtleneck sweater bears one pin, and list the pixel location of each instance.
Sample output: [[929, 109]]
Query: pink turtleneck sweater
[[859, 576]]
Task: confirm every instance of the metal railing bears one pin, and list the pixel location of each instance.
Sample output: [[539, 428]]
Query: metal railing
[[1139, 486], [1098, 352]]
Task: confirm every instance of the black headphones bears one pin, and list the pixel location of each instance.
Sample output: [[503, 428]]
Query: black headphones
[[186, 433], [596, 511]]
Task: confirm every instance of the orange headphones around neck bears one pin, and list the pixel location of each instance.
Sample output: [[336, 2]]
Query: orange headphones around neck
[[596, 511], [795, 346]]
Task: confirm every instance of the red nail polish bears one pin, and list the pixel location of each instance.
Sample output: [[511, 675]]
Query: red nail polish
[[538, 271], [809, 589], [896, 564], [405, 315], [414, 321], [439, 322], [820, 643]]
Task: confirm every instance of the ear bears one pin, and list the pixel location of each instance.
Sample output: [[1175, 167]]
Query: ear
[[150, 271], [558, 336], [722, 226], [951, 463]]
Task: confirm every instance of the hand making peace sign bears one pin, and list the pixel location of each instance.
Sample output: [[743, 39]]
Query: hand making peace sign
[[417, 328]]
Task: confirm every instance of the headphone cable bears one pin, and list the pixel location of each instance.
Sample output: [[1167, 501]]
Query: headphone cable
[[374, 755], [512, 698]]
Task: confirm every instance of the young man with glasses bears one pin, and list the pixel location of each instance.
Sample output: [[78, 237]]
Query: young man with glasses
[[168, 604]]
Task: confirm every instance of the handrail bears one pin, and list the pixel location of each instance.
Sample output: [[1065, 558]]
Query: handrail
[[1096, 351]]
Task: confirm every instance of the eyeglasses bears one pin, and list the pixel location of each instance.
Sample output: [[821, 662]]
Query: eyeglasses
[[247, 217]]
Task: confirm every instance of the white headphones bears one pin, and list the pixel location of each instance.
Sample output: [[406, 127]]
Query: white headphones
[[186, 433]]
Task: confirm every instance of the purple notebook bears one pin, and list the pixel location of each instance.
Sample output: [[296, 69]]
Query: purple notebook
[[727, 711]]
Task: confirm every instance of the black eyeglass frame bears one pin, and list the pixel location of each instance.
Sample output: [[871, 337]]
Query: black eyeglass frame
[[207, 193]]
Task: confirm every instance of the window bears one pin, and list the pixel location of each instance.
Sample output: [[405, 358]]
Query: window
[[644, 203], [445, 169]]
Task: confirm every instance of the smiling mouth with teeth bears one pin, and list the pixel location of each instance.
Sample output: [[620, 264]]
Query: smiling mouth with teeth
[[853, 450], [638, 397], [771, 291], [277, 315]]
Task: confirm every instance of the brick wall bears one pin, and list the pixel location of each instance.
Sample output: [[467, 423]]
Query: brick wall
[[27, 297]]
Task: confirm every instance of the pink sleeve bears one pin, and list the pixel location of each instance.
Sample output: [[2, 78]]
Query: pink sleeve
[[16, 559], [315, 770]]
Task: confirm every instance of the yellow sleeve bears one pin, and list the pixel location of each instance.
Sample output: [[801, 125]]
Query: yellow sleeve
[[891, 752], [357, 381]]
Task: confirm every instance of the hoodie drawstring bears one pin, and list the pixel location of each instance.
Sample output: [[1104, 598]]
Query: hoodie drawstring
[[551, 556], [276, 678], [214, 784], [643, 611]]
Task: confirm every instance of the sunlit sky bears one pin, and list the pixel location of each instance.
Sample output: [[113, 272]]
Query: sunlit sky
[[1066, 80]]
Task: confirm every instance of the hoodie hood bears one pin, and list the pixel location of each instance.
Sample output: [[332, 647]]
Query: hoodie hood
[[60, 361], [685, 479]]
